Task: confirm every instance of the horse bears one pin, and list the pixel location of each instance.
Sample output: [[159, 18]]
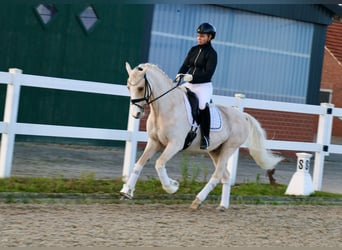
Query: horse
[[168, 125]]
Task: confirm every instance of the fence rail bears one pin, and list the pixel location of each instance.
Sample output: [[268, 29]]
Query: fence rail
[[14, 79]]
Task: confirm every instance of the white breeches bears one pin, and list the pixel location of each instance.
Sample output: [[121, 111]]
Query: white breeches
[[204, 92]]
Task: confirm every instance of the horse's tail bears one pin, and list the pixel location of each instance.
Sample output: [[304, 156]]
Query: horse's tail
[[256, 145]]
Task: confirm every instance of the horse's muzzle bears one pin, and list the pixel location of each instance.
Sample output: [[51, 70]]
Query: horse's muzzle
[[138, 113]]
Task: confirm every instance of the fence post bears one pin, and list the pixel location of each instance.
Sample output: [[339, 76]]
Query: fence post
[[233, 160], [10, 119], [323, 138], [131, 146]]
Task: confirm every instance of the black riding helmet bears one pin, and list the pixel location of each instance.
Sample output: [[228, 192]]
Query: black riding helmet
[[207, 28]]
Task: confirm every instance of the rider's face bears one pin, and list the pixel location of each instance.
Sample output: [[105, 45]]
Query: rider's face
[[203, 38]]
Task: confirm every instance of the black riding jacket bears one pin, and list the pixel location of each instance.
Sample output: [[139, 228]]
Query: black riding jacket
[[200, 62]]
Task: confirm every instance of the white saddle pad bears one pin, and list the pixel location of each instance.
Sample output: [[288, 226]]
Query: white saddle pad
[[215, 116]]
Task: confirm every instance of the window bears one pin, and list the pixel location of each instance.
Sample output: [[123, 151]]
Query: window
[[88, 18], [46, 12], [325, 95]]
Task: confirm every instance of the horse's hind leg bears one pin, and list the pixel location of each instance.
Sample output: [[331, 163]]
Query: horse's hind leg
[[128, 188], [225, 196], [214, 180], [220, 158], [201, 196], [225, 180]]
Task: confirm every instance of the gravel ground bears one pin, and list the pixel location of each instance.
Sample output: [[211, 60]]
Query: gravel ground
[[60, 225], [66, 225]]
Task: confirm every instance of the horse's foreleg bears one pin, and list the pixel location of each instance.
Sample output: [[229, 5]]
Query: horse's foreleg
[[128, 188], [169, 185]]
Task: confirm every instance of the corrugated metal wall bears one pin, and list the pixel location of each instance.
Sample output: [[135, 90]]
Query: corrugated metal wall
[[261, 56]]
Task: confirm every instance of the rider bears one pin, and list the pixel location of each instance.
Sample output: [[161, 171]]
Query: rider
[[197, 71]]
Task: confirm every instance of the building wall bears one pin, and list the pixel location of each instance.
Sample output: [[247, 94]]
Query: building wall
[[286, 125], [63, 48], [290, 70], [332, 79]]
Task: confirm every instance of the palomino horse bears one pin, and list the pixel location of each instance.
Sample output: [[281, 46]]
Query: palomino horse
[[168, 126]]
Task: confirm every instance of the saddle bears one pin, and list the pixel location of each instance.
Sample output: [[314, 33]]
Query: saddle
[[193, 100], [193, 108]]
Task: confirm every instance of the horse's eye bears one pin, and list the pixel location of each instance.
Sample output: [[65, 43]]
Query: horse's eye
[[140, 89]]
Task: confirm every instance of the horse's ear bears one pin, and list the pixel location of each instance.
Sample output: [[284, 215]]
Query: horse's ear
[[128, 68]]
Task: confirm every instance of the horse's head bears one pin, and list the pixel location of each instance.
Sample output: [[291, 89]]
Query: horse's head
[[139, 89]]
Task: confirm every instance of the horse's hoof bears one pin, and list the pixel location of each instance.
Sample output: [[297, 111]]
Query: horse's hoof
[[196, 204], [221, 208], [124, 198], [126, 192], [172, 188]]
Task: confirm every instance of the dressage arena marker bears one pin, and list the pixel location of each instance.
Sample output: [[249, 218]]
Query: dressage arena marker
[[301, 182]]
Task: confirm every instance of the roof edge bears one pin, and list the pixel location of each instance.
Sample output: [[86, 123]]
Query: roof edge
[[334, 8]]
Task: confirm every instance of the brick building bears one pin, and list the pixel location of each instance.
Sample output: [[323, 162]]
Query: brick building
[[331, 83]]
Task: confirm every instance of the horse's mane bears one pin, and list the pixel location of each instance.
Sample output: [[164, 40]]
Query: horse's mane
[[154, 66]]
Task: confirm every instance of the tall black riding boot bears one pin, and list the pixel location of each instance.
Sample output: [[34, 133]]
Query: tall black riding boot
[[205, 127]]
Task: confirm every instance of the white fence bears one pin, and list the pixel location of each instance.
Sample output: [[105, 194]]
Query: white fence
[[10, 127]]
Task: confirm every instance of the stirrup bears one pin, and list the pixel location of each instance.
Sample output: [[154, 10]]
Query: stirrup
[[204, 142]]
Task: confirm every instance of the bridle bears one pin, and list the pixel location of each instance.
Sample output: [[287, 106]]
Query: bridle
[[148, 93]]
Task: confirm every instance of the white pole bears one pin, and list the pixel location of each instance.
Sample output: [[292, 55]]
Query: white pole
[[131, 146], [323, 138], [233, 160], [10, 118]]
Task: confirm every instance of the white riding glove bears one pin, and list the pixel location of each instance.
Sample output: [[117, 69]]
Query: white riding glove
[[178, 77], [187, 78]]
